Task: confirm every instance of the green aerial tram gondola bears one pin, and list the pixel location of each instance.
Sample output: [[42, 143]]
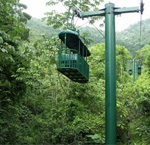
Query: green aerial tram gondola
[[72, 57]]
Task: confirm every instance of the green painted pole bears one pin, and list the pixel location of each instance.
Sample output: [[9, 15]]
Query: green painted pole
[[133, 70], [110, 47], [110, 75]]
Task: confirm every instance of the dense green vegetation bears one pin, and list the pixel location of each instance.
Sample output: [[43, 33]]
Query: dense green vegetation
[[39, 106], [130, 35]]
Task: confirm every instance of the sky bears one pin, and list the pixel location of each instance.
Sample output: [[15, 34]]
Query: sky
[[37, 8]]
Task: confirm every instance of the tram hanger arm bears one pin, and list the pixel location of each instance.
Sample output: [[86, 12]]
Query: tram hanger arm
[[82, 14], [93, 13], [102, 12], [126, 10]]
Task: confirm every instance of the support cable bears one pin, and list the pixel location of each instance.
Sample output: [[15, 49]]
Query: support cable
[[79, 10], [76, 21], [141, 11], [97, 29], [140, 29], [82, 24]]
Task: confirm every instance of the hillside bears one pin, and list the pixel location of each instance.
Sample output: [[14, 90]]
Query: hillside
[[130, 38], [38, 28]]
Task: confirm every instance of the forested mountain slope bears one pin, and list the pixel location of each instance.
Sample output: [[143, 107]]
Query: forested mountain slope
[[130, 37], [38, 28]]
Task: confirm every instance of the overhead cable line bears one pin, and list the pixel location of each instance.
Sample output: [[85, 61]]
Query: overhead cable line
[[82, 24], [141, 10], [76, 21], [140, 29], [79, 10], [97, 29], [89, 21]]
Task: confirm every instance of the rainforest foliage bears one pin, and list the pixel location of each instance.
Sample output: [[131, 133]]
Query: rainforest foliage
[[40, 106], [130, 35]]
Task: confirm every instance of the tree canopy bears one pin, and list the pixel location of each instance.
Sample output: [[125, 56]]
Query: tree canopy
[[57, 19], [38, 105]]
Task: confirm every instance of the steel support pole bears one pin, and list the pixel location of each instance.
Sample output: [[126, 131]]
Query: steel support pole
[[110, 47], [110, 55]]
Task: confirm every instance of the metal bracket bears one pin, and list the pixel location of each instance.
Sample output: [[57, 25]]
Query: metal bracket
[[110, 10], [102, 12], [126, 10], [78, 12], [141, 7]]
